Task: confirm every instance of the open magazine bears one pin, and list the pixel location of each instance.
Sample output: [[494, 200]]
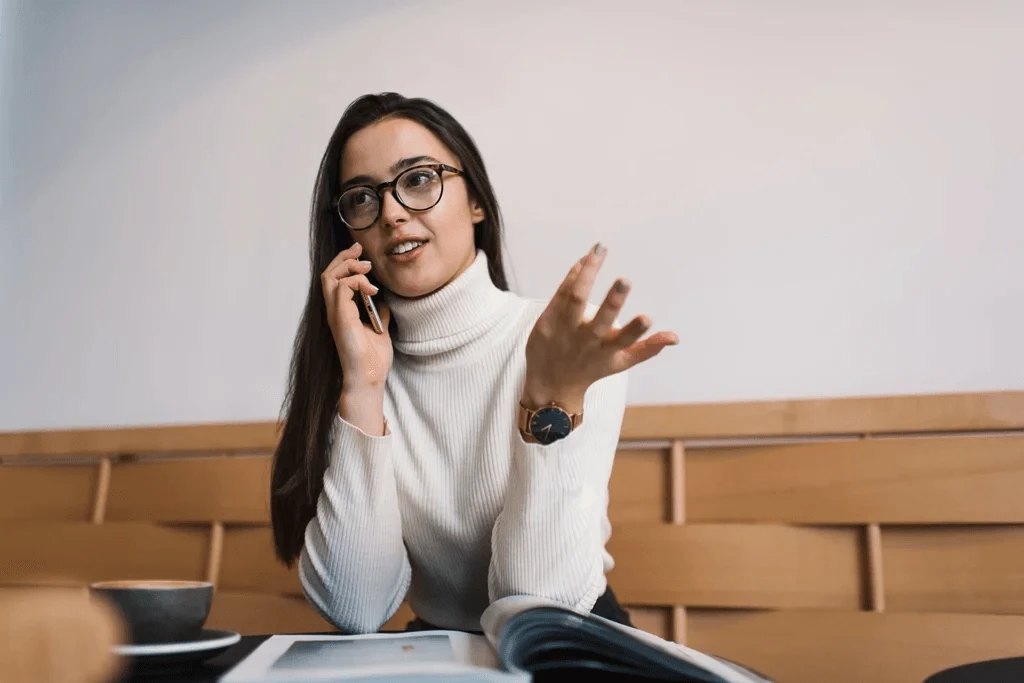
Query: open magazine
[[527, 639]]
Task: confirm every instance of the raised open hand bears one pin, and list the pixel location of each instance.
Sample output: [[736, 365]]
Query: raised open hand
[[566, 353]]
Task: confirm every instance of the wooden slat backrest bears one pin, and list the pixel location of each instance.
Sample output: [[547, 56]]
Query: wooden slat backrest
[[172, 439], [799, 646], [48, 492], [853, 521], [229, 489], [250, 564], [954, 569], [953, 479], [261, 613], [872, 415], [737, 565], [85, 552], [925, 493], [930, 495], [829, 416], [639, 490]]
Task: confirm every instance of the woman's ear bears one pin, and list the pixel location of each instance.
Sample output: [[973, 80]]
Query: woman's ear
[[476, 211]]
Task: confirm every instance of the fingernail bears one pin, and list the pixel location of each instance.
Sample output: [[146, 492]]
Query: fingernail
[[598, 248], [375, 289], [622, 286], [365, 263]]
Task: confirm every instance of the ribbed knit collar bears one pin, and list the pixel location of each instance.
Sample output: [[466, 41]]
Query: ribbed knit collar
[[451, 318]]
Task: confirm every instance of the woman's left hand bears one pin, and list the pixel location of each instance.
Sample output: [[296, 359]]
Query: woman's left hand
[[566, 353]]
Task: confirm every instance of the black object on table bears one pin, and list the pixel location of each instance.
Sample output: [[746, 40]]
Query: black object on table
[[204, 672], [1010, 670]]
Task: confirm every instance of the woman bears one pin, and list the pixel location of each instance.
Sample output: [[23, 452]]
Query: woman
[[445, 459]]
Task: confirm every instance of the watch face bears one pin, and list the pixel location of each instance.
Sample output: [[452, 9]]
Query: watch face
[[550, 424]]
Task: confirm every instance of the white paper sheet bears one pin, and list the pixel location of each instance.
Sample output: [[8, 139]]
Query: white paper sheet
[[416, 656]]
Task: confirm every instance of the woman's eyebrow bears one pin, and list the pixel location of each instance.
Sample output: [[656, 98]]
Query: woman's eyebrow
[[399, 165], [405, 163]]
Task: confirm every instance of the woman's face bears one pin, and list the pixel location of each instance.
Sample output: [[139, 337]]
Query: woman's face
[[377, 154]]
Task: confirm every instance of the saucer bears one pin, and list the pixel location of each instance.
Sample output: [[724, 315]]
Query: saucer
[[210, 642]]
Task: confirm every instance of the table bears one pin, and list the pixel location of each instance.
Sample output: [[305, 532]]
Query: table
[[207, 672], [1009, 670]]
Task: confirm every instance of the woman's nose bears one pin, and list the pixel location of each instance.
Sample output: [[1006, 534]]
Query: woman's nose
[[391, 211]]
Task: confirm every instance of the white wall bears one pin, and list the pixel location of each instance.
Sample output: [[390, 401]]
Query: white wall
[[823, 199]]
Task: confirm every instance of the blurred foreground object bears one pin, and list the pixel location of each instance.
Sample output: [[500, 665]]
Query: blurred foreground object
[[57, 635]]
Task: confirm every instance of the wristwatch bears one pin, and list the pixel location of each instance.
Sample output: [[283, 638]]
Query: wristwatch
[[547, 424]]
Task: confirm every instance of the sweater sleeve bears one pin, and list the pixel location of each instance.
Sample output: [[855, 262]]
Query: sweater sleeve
[[548, 541], [354, 567]]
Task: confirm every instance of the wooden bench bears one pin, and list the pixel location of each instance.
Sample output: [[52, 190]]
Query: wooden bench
[[831, 540]]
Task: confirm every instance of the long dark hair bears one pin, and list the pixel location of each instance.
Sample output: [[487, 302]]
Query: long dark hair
[[314, 385]]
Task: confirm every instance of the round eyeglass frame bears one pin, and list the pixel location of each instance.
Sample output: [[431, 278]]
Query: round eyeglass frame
[[392, 185]]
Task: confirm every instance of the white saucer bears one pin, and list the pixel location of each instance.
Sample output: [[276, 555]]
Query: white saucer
[[209, 639]]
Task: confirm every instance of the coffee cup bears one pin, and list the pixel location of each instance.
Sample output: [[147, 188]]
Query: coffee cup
[[159, 611]]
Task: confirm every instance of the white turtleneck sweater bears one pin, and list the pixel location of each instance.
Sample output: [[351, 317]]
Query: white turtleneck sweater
[[452, 508]]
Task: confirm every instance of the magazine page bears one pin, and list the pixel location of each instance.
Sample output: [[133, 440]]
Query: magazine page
[[500, 612], [422, 655], [730, 671]]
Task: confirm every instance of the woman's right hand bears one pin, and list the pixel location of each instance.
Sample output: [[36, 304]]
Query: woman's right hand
[[365, 355]]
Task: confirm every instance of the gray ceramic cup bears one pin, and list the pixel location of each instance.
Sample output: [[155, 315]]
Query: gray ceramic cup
[[159, 611]]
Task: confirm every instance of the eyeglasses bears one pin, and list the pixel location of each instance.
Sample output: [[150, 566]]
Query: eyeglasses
[[417, 189]]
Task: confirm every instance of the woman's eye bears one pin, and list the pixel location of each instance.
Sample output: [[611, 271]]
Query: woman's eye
[[361, 198], [418, 178]]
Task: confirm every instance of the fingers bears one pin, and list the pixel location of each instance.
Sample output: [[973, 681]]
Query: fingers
[[339, 295], [579, 289], [342, 256], [344, 265], [610, 308], [352, 252], [331, 283], [340, 269], [649, 348], [561, 294], [346, 262], [571, 299], [628, 335], [356, 283], [570, 278]]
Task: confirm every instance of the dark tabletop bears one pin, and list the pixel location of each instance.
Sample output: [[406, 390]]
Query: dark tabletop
[[206, 672], [995, 671]]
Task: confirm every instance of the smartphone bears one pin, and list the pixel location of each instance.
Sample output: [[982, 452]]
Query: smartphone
[[369, 310]]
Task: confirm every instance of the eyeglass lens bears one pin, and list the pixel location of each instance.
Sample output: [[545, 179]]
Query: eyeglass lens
[[417, 189]]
